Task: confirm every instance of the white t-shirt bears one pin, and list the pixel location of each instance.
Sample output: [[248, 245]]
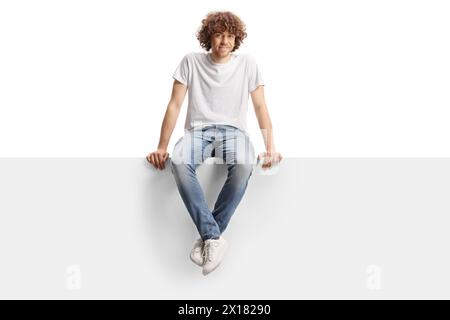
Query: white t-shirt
[[218, 92]]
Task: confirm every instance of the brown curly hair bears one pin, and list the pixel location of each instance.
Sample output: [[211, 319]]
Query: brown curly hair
[[221, 21]]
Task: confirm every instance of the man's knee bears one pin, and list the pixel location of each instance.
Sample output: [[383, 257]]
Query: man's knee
[[243, 171], [180, 167]]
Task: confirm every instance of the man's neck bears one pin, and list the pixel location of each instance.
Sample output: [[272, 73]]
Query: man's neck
[[217, 59]]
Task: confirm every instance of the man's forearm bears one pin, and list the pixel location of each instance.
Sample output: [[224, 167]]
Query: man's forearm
[[168, 124], [268, 138], [265, 124]]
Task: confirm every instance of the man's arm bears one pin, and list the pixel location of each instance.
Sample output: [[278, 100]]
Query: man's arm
[[265, 124], [159, 157], [173, 110]]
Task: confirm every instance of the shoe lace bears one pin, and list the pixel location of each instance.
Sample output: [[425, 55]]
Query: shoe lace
[[208, 250]]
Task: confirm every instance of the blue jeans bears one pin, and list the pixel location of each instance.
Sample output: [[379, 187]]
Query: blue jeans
[[231, 145]]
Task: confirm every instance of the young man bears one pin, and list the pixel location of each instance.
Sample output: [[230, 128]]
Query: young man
[[219, 84]]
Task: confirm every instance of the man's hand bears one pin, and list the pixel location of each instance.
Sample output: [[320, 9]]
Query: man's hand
[[158, 158], [270, 158]]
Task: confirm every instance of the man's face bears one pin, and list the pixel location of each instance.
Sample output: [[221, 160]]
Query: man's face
[[222, 43]]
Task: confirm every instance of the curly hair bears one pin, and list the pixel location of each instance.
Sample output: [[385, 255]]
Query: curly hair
[[221, 21]]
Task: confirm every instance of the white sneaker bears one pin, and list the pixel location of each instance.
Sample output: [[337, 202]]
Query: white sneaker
[[196, 252], [213, 253]]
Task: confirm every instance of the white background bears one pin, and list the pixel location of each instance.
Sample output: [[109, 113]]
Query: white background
[[343, 78]]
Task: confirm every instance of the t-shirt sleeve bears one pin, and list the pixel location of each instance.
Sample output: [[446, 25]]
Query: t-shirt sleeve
[[255, 75], [182, 71]]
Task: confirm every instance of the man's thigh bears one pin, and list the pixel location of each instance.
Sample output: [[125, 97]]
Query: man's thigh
[[235, 147], [191, 148]]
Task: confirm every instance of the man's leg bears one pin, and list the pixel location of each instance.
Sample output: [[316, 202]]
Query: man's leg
[[231, 194], [238, 153], [187, 156]]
